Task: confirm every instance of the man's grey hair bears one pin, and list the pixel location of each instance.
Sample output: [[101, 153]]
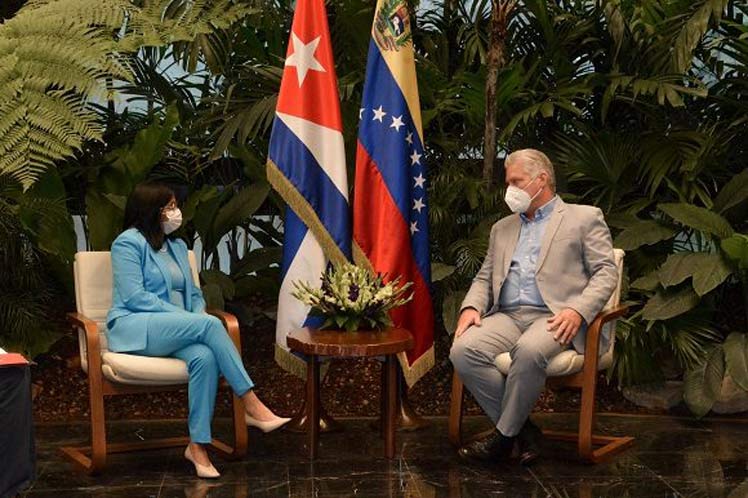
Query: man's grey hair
[[533, 161]]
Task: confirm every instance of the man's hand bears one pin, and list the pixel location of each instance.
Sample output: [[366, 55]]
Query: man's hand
[[565, 325], [468, 317]]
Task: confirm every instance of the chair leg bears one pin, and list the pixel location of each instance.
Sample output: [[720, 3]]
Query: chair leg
[[455, 410], [239, 449], [587, 417], [96, 462], [609, 445], [586, 441], [241, 435]]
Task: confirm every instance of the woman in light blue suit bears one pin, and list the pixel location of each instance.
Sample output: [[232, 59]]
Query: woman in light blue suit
[[158, 311]]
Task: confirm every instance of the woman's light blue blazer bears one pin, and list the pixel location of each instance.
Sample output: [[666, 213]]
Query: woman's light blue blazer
[[141, 285]]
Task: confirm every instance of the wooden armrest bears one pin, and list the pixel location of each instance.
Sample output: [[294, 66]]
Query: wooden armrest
[[606, 316], [93, 344], [592, 344], [230, 323], [79, 320]]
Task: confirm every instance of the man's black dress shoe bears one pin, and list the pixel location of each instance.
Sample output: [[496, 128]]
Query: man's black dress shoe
[[493, 447], [528, 443]]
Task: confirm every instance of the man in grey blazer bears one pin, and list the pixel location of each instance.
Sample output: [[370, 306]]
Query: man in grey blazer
[[549, 270]]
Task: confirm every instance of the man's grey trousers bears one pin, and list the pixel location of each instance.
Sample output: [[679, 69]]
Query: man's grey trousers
[[523, 332]]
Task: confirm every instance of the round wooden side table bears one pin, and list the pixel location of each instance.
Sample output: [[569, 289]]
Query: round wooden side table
[[339, 344]]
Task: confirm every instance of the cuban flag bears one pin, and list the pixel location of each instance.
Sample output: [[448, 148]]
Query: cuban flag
[[390, 208], [306, 165]]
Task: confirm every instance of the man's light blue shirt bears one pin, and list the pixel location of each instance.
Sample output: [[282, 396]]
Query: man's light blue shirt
[[520, 287]]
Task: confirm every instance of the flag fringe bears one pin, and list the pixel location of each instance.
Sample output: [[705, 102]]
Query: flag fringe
[[360, 258], [295, 365], [425, 362], [413, 373], [305, 211]]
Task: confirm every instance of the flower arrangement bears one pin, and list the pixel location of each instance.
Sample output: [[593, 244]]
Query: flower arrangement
[[351, 297]]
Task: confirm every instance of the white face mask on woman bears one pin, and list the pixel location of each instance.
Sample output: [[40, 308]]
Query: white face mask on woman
[[173, 220], [517, 199]]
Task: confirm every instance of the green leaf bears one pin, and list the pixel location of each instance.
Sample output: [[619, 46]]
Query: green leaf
[[546, 110], [118, 200], [104, 220], [643, 233], [254, 165], [692, 31], [712, 272], [221, 280], [736, 248], [736, 358], [190, 206], [148, 148], [257, 260], [213, 296], [451, 310], [204, 218], [733, 193], [440, 271], [353, 324], [703, 384], [43, 212], [253, 285], [648, 282], [678, 267], [707, 269], [239, 208], [664, 305], [699, 218]]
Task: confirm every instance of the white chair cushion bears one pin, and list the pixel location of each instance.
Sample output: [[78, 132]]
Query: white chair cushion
[[93, 293], [570, 362], [143, 370], [565, 363]]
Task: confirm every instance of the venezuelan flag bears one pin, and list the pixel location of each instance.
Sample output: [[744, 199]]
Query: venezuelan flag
[[390, 207]]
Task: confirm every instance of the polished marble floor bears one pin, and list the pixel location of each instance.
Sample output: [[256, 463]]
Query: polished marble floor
[[672, 457]]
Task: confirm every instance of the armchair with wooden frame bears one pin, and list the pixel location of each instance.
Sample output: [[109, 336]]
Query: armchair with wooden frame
[[570, 369], [112, 374]]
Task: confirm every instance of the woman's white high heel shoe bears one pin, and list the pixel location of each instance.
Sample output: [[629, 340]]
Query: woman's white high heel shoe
[[204, 471], [266, 425]]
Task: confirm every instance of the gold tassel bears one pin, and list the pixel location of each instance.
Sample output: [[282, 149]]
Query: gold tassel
[[304, 210], [413, 373], [295, 365]]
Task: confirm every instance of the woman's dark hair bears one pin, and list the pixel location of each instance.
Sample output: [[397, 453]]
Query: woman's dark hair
[[143, 211]]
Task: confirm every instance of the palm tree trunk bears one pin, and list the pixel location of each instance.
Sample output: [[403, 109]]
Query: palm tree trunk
[[451, 34], [500, 10], [744, 281]]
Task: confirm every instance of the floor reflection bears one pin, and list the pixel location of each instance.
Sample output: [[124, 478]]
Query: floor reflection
[[672, 458]]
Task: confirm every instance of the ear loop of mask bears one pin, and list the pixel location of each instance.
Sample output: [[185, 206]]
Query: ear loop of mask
[[536, 193]]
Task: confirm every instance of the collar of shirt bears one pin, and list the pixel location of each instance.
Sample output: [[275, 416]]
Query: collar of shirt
[[542, 212]]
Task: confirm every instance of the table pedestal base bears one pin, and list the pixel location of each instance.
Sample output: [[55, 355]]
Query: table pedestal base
[[389, 405]]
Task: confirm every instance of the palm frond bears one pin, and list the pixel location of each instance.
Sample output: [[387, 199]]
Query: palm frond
[[57, 57]]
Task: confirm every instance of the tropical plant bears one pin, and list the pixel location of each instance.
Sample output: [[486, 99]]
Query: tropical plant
[[57, 56], [111, 182], [253, 244], [703, 383], [36, 246], [630, 127]]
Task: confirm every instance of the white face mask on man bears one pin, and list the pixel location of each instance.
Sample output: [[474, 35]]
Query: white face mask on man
[[517, 199], [173, 220]]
